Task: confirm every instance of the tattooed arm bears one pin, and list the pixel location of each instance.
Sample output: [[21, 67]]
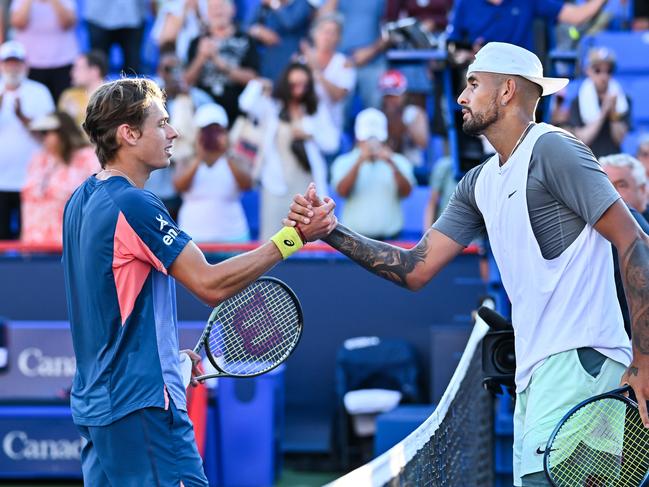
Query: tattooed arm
[[410, 268], [632, 244]]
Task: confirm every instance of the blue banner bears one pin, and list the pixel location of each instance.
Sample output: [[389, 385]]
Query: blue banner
[[39, 442]]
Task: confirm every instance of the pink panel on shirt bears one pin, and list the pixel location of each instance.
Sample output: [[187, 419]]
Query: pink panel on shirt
[[132, 262]]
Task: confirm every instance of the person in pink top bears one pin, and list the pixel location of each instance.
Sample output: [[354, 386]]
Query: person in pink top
[[65, 161], [46, 29]]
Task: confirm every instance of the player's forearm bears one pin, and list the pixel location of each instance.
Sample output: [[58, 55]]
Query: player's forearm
[[387, 261], [230, 276], [635, 274]]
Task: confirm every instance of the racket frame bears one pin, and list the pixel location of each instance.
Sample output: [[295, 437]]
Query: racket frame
[[202, 342], [617, 394]]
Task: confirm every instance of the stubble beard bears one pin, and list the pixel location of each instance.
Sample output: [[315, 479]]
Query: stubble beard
[[479, 122]]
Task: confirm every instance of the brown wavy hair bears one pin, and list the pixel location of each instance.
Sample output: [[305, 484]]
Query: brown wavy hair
[[70, 135], [123, 101], [282, 90]]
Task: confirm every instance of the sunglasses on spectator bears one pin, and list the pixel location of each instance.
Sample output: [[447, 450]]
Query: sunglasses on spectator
[[599, 70]]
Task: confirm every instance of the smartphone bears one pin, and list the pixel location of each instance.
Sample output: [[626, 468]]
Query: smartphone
[[210, 137]]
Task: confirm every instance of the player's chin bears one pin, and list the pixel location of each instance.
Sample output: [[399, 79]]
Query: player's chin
[[163, 161]]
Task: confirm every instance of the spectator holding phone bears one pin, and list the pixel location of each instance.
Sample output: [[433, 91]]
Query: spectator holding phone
[[373, 179], [211, 183]]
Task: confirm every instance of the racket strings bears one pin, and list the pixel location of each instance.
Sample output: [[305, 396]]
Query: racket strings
[[602, 444], [255, 330]]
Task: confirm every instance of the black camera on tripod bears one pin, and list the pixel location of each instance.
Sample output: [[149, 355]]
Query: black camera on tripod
[[498, 355]]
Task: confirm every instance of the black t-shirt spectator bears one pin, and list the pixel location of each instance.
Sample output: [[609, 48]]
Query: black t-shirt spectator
[[240, 51], [603, 145]]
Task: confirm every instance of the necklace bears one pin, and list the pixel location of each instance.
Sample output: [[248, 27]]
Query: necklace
[[520, 139], [120, 173]]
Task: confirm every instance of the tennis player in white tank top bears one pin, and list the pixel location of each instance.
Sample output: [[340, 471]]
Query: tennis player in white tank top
[[551, 215]]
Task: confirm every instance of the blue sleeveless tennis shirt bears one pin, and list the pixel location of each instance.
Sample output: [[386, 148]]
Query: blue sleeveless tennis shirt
[[118, 242]]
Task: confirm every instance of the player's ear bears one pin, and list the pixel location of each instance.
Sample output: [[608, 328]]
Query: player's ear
[[127, 134], [507, 90]]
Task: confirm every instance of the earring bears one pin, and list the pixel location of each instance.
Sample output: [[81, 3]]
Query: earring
[[503, 103]]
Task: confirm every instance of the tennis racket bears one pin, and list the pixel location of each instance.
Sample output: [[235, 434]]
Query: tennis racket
[[251, 332], [601, 442]]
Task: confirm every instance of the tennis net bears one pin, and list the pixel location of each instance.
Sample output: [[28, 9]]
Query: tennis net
[[453, 447]]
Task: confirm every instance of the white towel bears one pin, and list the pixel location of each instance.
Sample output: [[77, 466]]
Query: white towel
[[589, 108]]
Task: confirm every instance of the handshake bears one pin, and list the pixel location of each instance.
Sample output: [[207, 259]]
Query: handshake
[[312, 217]]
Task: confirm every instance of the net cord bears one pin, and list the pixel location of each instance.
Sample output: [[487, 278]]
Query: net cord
[[379, 471]]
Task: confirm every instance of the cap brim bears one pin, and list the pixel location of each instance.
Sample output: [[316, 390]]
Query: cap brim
[[549, 85]]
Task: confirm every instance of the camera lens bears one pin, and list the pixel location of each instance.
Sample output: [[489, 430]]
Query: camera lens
[[504, 358]]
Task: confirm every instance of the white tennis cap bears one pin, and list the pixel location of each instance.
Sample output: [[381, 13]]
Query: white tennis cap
[[211, 113], [12, 50], [371, 123], [503, 58]]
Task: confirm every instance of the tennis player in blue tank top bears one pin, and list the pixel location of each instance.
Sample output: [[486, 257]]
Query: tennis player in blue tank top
[[122, 253]]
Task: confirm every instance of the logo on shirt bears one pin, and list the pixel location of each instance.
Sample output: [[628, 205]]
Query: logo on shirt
[[163, 223], [172, 233], [542, 452], [511, 194]]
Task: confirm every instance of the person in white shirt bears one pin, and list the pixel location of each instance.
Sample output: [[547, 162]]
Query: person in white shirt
[[333, 73], [296, 132], [211, 183], [21, 101], [373, 179]]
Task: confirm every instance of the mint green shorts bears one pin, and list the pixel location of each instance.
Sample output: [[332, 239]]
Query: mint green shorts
[[561, 382]]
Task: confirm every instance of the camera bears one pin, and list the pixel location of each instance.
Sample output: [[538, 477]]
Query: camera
[[498, 354]]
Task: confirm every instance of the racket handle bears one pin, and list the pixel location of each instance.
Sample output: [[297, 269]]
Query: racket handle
[[203, 377], [185, 369]]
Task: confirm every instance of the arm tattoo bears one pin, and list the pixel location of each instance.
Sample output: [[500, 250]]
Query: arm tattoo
[[635, 269], [384, 260]]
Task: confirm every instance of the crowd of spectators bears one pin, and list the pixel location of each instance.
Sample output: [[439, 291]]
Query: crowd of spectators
[[273, 94]]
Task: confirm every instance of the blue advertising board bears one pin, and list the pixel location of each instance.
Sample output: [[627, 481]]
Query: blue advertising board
[[39, 441]]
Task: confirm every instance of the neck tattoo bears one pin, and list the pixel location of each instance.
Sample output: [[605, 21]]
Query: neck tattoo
[[120, 173]]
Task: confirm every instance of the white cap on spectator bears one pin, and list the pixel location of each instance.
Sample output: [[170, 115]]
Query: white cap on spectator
[[12, 50], [503, 58], [46, 122], [210, 113], [371, 123]]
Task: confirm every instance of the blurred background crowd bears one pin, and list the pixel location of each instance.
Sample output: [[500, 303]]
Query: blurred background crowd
[[268, 95]]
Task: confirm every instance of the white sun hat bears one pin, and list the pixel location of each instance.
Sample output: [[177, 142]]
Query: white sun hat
[[371, 123], [210, 113], [503, 58]]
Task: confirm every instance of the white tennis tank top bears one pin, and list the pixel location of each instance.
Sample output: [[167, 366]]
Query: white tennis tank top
[[557, 305], [211, 210]]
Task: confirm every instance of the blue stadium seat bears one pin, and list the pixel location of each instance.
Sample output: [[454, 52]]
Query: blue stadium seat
[[250, 202], [630, 143], [631, 49], [638, 91], [413, 213]]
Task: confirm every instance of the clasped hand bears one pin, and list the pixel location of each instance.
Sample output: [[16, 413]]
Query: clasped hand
[[314, 217]]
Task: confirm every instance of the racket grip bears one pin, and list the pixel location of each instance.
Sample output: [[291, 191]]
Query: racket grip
[[185, 369]]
